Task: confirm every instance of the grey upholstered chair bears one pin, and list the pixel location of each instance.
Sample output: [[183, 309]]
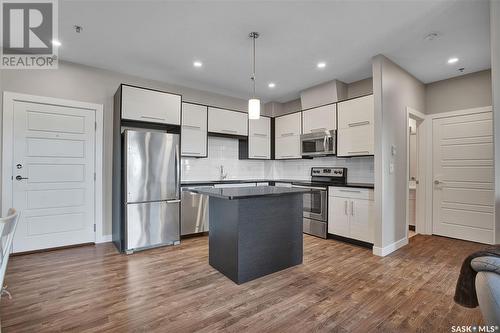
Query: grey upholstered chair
[[7, 229], [488, 287]]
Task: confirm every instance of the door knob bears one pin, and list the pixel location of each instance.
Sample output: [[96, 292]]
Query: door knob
[[20, 178], [437, 182]]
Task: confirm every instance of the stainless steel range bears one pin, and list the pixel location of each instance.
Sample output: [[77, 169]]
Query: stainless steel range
[[316, 202]]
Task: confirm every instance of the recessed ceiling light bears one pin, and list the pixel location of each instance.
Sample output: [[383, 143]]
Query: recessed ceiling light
[[271, 85], [197, 64], [56, 43], [452, 60], [321, 64]]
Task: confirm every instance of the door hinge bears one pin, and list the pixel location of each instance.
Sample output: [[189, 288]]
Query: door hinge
[[94, 227], [95, 125], [95, 176]]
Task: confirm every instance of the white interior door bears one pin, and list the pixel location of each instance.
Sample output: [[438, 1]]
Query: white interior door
[[463, 189], [53, 175]]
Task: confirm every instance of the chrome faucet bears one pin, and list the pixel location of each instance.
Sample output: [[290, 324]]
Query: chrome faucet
[[222, 174]]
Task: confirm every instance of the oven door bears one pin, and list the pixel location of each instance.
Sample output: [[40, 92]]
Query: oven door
[[318, 144], [315, 206]]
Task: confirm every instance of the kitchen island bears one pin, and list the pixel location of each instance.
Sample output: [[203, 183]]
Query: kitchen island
[[254, 231]]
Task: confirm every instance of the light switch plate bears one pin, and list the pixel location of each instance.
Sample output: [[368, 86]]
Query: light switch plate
[[393, 150]]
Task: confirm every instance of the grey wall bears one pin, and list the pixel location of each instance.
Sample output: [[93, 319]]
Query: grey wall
[[88, 84], [463, 92], [495, 75], [354, 89], [394, 89], [360, 88]]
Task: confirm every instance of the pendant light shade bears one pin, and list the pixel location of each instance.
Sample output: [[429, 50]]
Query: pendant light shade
[[253, 108], [253, 103]]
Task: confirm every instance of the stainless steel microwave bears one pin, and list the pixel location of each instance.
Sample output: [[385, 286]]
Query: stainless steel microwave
[[319, 143]]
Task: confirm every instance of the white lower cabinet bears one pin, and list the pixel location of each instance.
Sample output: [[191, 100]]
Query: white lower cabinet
[[338, 217], [351, 213]]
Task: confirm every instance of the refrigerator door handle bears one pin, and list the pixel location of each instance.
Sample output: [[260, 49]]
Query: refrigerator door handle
[[177, 172]]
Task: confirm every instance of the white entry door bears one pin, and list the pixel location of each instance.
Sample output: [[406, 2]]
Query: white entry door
[[53, 175], [463, 194]]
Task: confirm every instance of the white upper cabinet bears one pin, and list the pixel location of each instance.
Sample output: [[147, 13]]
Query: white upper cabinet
[[259, 138], [356, 112], [320, 119], [150, 105], [227, 122], [355, 135], [194, 130], [288, 125], [287, 136]]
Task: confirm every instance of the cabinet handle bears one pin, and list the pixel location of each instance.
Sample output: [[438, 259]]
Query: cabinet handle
[[358, 152], [352, 208], [229, 131], [259, 156], [345, 207], [359, 123], [260, 134], [350, 191], [155, 118], [191, 126], [287, 155], [321, 129], [191, 152], [286, 134]]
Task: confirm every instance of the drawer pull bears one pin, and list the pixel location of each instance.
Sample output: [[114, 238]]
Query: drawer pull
[[350, 191], [358, 152], [259, 156], [191, 126], [260, 134], [191, 153], [318, 129], [155, 118], [359, 123], [287, 134], [229, 131]]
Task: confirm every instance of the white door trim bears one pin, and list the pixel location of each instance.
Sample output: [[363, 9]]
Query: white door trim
[[420, 225], [9, 98]]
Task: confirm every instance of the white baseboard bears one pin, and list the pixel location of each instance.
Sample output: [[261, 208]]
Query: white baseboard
[[383, 251], [104, 239]]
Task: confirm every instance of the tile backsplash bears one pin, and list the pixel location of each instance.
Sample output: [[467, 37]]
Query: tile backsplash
[[360, 169], [224, 151]]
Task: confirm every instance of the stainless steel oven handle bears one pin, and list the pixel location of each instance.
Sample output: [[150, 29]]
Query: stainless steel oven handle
[[311, 187]]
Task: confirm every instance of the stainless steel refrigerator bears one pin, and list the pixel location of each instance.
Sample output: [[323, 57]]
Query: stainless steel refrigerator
[[151, 189]]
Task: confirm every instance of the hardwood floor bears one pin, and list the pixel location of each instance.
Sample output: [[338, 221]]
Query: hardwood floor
[[339, 287]]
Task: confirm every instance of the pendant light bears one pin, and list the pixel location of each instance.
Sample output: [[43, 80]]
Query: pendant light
[[253, 103]]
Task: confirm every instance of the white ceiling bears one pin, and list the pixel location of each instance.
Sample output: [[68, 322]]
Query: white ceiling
[[161, 39]]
